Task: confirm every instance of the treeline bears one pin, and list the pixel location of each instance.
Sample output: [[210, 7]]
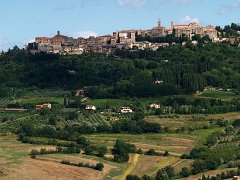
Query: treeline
[[181, 105], [211, 159], [98, 166], [229, 30], [168, 173], [44, 151], [71, 132], [66, 147], [224, 175]]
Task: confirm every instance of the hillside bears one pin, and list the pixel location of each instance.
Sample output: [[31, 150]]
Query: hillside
[[183, 123]]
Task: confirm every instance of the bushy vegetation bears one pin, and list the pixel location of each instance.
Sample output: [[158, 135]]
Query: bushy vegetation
[[69, 150], [98, 166], [121, 151], [211, 159], [187, 70]]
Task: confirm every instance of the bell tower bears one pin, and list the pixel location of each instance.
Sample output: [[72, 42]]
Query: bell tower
[[159, 22]]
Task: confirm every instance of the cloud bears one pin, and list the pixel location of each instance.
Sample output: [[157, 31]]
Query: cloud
[[229, 8], [84, 34], [189, 19], [135, 3]]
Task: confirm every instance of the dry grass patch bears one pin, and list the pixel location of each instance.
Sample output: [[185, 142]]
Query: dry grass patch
[[181, 164], [149, 165], [177, 122], [38, 170]]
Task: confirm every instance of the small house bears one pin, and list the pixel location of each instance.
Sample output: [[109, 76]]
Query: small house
[[126, 110], [91, 108], [154, 106]]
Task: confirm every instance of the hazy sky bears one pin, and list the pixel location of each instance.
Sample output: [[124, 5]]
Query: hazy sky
[[22, 20]]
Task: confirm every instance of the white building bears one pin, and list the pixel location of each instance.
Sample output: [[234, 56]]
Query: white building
[[154, 106], [126, 110], [91, 107]]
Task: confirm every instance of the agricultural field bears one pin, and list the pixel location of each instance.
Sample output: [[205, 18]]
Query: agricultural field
[[178, 121], [174, 143], [191, 120], [108, 102], [15, 162], [39, 100], [5, 101], [219, 94], [93, 119], [16, 119], [35, 96]]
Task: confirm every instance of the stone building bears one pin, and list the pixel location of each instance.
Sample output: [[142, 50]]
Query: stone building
[[192, 29], [158, 31], [124, 37]]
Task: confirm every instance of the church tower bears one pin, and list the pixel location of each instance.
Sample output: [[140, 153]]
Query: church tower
[[159, 23]]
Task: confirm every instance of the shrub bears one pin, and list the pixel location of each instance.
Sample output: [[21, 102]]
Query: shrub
[[166, 153], [139, 151], [170, 171], [66, 162], [211, 165], [150, 152], [88, 150], [33, 156], [236, 123], [185, 172], [99, 166], [185, 156], [102, 150], [82, 141], [162, 175], [121, 158], [34, 152], [132, 177], [145, 177]]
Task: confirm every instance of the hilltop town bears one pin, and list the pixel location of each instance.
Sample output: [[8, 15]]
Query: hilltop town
[[124, 39]]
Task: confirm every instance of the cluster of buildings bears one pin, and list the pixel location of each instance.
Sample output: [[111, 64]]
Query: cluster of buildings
[[120, 39]]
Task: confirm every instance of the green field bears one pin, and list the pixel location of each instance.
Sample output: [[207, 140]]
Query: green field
[[39, 100], [18, 118], [110, 102], [219, 95]]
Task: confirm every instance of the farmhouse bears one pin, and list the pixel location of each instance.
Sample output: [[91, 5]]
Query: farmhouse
[[44, 106], [91, 108], [154, 106], [126, 110]]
